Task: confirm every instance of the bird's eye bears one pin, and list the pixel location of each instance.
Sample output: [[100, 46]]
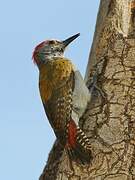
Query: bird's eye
[[59, 50], [51, 42]]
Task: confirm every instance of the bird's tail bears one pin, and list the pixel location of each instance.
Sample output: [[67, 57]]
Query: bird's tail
[[78, 145]]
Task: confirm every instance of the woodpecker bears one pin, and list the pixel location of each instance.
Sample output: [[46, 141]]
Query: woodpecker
[[64, 95]]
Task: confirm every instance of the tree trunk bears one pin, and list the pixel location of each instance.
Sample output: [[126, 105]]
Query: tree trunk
[[110, 118]]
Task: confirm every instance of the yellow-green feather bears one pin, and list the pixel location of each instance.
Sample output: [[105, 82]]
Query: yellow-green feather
[[53, 75]]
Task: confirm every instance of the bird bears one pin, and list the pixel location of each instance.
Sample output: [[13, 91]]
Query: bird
[[64, 95]]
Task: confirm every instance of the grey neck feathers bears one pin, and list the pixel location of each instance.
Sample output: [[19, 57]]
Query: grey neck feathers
[[50, 56]]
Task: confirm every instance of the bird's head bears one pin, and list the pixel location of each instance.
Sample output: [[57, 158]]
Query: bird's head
[[51, 48]]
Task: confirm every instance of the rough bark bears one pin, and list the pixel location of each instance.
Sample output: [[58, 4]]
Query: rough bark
[[110, 119]]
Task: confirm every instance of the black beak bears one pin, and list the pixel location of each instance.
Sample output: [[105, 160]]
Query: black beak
[[70, 39]]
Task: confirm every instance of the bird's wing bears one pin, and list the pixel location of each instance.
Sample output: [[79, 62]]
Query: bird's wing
[[63, 114], [59, 107]]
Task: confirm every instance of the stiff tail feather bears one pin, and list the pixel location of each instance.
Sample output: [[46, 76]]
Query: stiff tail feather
[[78, 145]]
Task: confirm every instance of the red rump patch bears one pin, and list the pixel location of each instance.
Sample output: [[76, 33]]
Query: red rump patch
[[72, 132]]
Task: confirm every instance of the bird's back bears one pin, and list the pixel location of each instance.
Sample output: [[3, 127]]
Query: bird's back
[[53, 75], [56, 84]]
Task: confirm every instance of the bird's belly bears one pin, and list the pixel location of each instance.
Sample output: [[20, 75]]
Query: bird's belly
[[81, 95]]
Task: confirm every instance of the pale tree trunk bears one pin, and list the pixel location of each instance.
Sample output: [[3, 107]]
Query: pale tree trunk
[[110, 118]]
